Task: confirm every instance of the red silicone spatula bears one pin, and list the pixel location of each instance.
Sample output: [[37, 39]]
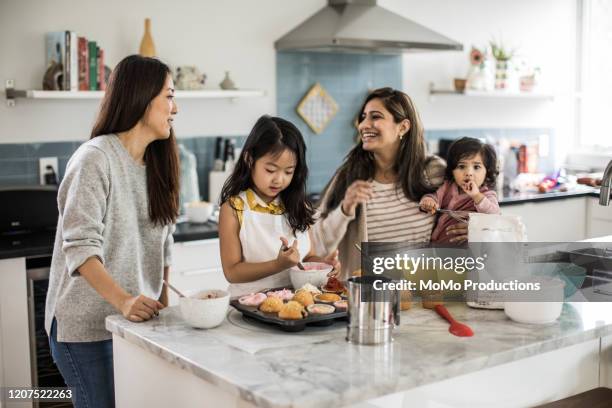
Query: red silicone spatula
[[456, 328]]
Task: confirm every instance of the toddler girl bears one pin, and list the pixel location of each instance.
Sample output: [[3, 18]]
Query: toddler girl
[[470, 175]]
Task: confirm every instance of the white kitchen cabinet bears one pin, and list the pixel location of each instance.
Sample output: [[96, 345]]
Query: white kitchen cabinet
[[14, 329], [605, 362], [599, 218], [562, 220], [196, 265]]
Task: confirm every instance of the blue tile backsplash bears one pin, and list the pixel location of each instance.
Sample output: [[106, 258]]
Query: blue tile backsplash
[[347, 79], [19, 162]]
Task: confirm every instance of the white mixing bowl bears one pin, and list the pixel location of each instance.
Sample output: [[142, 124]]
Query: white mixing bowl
[[547, 307], [317, 276], [202, 312]]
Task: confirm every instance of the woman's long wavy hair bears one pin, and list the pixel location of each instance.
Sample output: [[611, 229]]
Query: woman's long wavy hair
[[410, 161], [272, 135], [133, 84]]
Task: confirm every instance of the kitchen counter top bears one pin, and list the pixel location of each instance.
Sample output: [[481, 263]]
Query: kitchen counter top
[[187, 231], [333, 373], [520, 198]]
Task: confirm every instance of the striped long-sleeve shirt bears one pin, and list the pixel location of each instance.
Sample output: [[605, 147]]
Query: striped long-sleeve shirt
[[391, 217]]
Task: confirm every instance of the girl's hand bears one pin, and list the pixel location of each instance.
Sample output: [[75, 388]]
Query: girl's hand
[[460, 232], [140, 308], [288, 256], [429, 205], [358, 192], [471, 189]]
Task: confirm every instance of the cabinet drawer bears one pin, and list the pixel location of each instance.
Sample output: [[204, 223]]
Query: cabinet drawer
[[196, 255], [599, 212]]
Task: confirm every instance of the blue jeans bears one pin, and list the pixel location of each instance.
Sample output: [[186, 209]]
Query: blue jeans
[[87, 368]]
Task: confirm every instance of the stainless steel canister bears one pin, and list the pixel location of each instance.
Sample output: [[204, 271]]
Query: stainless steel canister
[[373, 310]]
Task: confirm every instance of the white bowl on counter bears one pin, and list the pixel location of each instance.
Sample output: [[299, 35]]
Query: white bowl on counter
[[545, 309], [205, 312], [198, 211], [315, 274]]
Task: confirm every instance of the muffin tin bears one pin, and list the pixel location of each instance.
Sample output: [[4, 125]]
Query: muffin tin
[[253, 312]]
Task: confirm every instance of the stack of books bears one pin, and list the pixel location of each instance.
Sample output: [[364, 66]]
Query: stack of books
[[82, 61]]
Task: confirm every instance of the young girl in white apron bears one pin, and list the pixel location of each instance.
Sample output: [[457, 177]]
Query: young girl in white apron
[[265, 216]]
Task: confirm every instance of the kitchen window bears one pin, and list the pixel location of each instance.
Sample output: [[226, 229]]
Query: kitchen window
[[595, 74]]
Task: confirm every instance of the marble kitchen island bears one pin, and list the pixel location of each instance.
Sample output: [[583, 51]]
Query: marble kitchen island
[[164, 362]]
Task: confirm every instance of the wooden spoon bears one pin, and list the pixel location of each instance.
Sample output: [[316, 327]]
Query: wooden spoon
[[456, 328]]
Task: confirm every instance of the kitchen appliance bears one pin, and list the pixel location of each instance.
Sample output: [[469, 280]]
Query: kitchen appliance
[[443, 145], [362, 26], [373, 311], [28, 208], [190, 189], [27, 226]]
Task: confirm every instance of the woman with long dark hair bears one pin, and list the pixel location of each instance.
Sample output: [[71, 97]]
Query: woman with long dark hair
[[374, 195], [117, 204], [265, 216]]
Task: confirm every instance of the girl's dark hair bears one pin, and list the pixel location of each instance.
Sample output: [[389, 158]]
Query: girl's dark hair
[[467, 147], [411, 158], [133, 84], [272, 135]]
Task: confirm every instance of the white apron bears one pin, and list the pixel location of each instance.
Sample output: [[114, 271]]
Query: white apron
[[260, 239]]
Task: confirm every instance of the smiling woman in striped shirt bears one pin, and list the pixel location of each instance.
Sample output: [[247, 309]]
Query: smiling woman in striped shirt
[[374, 195]]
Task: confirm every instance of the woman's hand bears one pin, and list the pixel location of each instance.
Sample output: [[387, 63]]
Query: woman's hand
[[358, 192], [460, 232], [429, 205], [288, 256], [140, 308], [332, 259]]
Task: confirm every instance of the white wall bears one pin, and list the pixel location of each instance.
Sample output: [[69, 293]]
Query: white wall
[[544, 33], [234, 35], [238, 35]]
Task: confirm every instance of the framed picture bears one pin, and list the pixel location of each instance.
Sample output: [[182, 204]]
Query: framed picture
[[317, 108]]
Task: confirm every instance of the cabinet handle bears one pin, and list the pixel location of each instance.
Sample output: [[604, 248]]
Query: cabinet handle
[[201, 271]]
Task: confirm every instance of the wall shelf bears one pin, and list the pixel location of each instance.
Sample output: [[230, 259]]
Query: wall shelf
[[11, 94], [434, 93]]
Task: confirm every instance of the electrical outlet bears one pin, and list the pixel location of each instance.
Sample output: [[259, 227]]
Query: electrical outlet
[[43, 162]]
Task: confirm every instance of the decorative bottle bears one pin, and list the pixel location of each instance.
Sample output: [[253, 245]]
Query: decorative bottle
[[147, 46]]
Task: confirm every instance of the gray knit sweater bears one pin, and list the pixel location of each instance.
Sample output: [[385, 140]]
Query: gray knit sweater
[[103, 212]]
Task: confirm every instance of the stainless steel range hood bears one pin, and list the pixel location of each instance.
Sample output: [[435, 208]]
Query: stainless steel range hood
[[362, 26]]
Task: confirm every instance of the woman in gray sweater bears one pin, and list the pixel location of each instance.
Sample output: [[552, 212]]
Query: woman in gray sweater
[[117, 204]]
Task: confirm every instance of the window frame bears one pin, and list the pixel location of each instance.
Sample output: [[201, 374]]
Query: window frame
[[582, 63]]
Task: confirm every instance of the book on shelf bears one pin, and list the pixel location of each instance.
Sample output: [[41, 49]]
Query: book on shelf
[[76, 63], [71, 73], [83, 64], [93, 65], [101, 81]]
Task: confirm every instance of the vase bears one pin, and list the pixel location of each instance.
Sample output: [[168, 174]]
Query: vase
[[147, 46], [476, 78], [227, 82], [501, 74]]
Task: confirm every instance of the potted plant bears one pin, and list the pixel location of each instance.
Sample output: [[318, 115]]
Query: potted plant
[[502, 58]]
